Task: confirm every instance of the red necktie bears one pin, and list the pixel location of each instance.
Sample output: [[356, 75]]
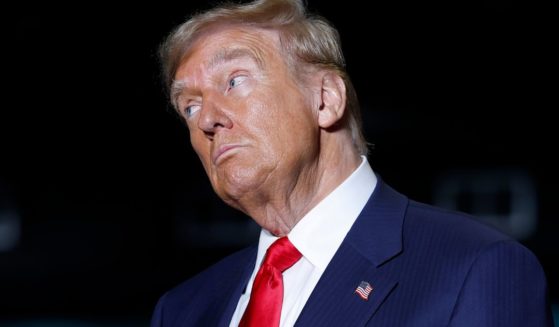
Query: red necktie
[[264, 307]]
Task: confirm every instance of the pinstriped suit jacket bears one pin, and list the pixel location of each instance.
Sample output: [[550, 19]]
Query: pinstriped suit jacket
[[427, 267]]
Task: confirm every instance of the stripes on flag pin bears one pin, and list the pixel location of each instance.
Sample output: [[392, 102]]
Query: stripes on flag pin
[[363, 290]]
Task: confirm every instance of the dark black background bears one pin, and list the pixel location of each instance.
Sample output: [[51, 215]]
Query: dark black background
[[103, 178]]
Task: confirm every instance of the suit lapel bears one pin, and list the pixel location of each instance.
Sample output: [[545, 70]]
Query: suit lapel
[[334, 301], [374, 239], [239, 278]]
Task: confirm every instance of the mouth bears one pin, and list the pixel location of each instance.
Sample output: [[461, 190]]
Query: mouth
[[223, 151]]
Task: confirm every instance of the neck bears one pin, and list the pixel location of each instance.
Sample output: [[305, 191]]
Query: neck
[[280, 209]]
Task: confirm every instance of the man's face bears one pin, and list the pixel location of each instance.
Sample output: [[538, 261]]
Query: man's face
[[250, 123]]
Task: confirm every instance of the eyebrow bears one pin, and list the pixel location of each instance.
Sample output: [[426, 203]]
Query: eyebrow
[[223, 56]]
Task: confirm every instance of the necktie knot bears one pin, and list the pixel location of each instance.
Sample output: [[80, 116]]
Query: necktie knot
[[282, 254]]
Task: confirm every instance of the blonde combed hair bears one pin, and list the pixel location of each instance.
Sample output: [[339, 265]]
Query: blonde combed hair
[[305, 39]]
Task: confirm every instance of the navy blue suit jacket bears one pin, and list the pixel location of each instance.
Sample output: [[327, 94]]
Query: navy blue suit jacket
[[427, 267]]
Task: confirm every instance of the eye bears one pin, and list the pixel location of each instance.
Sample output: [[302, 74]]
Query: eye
[[236, 81], [190, 110]]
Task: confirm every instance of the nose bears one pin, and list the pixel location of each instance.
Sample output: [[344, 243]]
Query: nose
[[213, 116]]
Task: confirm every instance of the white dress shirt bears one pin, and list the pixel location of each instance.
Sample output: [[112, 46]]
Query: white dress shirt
[[318, 235]]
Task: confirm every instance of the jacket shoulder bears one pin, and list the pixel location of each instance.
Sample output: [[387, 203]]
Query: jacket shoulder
[[454, 226], [233, 263], [203, 297]]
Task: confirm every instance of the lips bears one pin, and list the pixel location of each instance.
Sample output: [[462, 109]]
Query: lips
[[222, 151]]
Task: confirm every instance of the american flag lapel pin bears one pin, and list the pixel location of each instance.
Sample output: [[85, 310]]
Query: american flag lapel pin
[[363, 290]]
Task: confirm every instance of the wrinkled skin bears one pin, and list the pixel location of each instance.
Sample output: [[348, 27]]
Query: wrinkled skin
[[264, 138]]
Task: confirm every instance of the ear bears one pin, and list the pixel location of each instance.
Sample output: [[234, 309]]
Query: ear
[[333, 100]]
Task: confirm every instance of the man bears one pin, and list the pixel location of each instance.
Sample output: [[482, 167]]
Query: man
[[274, 119]]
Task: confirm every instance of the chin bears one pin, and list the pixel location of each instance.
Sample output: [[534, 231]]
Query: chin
[[241, 186], [233, 194]]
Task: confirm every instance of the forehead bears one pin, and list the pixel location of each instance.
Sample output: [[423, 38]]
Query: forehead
[[227, 43]]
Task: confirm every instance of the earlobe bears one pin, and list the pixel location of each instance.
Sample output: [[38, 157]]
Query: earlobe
[[333, 100]]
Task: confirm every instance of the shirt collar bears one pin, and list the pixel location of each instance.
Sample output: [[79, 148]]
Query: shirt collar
[[319, 234]]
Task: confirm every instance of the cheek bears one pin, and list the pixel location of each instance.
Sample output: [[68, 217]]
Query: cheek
[[284, 117], [289, 137]]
